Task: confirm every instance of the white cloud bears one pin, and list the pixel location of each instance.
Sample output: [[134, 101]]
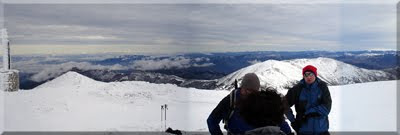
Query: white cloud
[[169, 63], [57, 69], [162, 64], [94, 37], [203, 65], [202, 27], [254, 62], [200, 59]]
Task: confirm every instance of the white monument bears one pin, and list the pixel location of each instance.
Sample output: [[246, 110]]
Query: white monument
[[9, 77]]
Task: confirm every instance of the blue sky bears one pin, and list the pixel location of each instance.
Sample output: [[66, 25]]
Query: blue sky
[[176, 28]]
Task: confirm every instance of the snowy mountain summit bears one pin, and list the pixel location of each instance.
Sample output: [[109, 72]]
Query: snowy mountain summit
[[70, 79], [284, 74]]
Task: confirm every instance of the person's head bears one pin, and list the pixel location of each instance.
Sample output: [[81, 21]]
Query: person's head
[[309, 74], [263, 108], [250, 83]]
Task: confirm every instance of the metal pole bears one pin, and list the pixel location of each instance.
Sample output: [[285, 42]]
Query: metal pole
[[161, 123], [8, 55], [165, 116]]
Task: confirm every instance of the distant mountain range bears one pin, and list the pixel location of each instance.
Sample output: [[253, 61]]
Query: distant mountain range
[[222, 65], [152, 77]]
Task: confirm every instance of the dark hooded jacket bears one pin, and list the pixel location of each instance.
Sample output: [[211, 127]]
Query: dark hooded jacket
[[236, 124]]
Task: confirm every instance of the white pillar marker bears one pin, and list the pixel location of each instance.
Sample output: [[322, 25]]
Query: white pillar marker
[[6, 50]]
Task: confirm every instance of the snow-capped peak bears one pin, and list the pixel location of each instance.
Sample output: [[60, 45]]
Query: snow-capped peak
[[283, 74], [71, 79]]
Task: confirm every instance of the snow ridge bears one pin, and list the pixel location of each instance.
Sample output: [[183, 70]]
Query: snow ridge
[[70, 79], [283, 74]]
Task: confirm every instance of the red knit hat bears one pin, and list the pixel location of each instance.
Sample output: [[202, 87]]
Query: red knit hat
[[311, 69]]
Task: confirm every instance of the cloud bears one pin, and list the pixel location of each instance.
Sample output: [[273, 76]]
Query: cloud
[[357, 33], [254, 62], [204, 27], [58, 69], [201, 59], [203, 65], [44, 67], [170, 63]]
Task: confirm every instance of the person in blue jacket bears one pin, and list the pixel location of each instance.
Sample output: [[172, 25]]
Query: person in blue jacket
[[312, 101], [227, 111]]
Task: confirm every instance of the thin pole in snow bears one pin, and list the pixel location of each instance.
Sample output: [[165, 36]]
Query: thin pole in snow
[[165, 116], [161, 124]]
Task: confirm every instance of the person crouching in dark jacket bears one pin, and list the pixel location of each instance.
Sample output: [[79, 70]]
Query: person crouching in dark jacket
[[227, 109], [264, 111]]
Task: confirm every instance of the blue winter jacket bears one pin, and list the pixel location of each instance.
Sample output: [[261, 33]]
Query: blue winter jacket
[[236, 124], [313, 104]]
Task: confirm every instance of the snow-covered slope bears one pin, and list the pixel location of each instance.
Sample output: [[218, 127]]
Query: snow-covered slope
[[364, 107], [73, 102], [281, 74]]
